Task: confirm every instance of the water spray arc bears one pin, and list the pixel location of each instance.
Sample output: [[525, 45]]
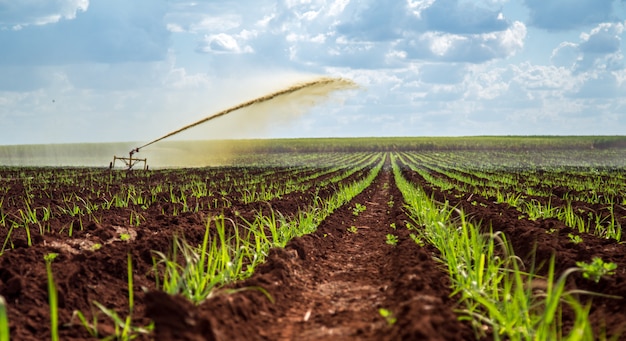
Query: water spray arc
[[337, 83]]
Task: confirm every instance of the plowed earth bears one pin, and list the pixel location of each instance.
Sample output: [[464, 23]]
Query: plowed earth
[[328, 285]]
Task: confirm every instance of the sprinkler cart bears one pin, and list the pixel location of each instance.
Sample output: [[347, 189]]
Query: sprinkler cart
[[129, 161]]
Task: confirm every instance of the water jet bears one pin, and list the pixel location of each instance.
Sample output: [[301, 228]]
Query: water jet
[[324, 85]]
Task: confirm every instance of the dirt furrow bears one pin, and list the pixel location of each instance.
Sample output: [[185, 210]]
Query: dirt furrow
[[331, 285]]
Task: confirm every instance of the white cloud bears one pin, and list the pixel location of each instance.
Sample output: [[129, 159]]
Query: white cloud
[[220, 42], [472, 48], [309, 15], [417, 6], [427, 67], [533, 78], [486, 83], [512, 39], [443, 30], [603, 39], [566, 54], [337, 7], [440, 44], [179, 78], [226, 43], [600, 49]]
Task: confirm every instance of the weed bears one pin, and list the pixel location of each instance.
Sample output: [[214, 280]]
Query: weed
[[391, 239], [92, 328], [388, 316], [358, 208], [573, 238], [353, 229], [597, 268], [417, 239], [390, 202]]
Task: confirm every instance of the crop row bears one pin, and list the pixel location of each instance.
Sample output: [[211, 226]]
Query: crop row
[[233, 243], [41, 203], [590, 201], [498, 290]]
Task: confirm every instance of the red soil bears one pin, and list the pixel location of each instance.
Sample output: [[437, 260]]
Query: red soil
[[328, 285]]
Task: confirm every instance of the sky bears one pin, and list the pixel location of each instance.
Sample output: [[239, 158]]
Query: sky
[[74, 71]]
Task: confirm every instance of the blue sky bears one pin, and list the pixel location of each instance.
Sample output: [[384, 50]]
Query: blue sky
[[119, 70]]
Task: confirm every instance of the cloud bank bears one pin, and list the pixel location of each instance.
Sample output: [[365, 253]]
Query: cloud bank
[[115, 70]]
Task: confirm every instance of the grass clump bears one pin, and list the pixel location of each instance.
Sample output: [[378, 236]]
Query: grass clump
[[194, 271]]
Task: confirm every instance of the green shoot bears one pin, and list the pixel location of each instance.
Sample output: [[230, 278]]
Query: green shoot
[[391, 239], [124, 330], [417, 239], [52, 298], [4, 321], [388, 316], [574, 238], [358, 208], [596, 269], [92, 328], [495, 292]]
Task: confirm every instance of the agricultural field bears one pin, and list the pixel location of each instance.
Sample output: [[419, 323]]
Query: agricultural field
[[365, 239]]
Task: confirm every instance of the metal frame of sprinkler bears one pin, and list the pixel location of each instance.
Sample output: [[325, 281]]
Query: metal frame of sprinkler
[[130, 161]]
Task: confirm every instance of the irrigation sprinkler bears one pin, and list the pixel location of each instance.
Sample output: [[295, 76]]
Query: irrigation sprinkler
[[129, 161], [324, 84]]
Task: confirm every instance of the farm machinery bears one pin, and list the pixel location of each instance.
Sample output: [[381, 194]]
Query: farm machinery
[[130, 161]]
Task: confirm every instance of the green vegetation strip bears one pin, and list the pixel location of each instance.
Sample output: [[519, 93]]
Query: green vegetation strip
[[495, 294], [196, 271], [603, 225]]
